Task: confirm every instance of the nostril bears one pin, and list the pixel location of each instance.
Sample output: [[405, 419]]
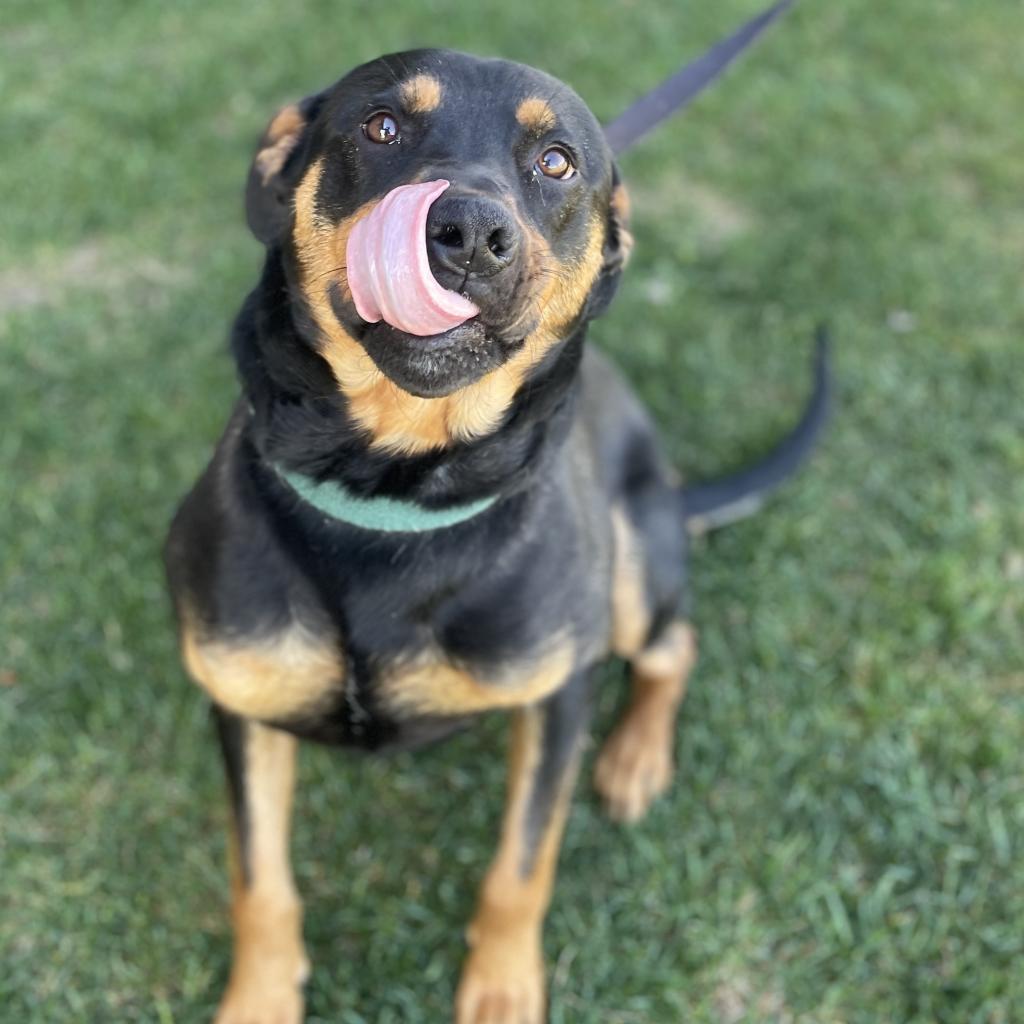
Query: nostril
[[450, 236], [500, 242]]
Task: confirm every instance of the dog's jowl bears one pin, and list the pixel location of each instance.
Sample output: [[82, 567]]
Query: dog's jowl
[[431, 500]]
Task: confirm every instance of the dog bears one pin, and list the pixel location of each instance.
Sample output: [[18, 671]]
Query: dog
[[432, 500]]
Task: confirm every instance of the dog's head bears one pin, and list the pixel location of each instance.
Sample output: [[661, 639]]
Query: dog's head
[[507, 230]]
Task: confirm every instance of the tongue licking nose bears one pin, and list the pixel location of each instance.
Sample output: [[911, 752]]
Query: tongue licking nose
[[388, 271]]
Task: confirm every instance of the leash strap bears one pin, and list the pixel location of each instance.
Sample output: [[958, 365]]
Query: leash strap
[[685, 85]]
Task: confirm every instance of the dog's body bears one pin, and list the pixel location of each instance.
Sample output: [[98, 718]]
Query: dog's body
[[527, 525]]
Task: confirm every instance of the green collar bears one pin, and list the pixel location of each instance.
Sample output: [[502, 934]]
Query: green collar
[[386, 515]]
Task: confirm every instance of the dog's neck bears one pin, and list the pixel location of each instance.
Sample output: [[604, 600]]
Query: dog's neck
[[299, 419]]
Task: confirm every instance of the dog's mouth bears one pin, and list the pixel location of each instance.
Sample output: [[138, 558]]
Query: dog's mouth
[[429, 340], [434, 365]]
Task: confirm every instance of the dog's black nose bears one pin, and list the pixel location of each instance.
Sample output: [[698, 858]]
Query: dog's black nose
[[469, 235]]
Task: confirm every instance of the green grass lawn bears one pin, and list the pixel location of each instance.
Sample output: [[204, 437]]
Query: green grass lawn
[[846, 839]]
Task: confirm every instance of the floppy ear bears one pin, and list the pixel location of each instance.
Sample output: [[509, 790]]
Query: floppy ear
[[618, 244], [276, 167]]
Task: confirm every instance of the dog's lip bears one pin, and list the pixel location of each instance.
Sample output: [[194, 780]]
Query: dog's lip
[[434, 366], [472, 329], [476, 328]]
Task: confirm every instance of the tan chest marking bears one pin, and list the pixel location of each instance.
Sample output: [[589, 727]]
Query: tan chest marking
[[431, 686], [289, 673]]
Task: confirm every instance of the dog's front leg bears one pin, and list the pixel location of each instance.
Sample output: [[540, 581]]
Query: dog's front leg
[[269, 963], [503, 977]]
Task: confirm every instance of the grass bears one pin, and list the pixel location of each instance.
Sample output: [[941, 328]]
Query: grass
[[846, 839]]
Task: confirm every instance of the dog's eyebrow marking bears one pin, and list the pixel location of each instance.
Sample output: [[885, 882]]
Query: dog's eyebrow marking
[[535, 114], [420, 94]]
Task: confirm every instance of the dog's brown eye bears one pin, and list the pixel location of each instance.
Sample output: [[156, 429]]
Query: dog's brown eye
[[556, 163], [381, 127]]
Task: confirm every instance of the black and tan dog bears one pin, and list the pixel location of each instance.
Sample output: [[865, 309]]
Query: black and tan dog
[[400, 532]]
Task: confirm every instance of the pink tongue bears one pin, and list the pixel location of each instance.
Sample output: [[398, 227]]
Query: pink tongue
[[388, 271]]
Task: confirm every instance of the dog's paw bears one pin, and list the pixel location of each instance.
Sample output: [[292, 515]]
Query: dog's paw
[[502, 983], [633, 769], [261, 1004], [266, 993], [258, 1006]]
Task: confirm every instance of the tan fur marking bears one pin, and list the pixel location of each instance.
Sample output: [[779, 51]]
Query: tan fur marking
[[278, 141], [621, 204], [285, 674], [635, 765], [430, 686], [269, 963], [420, 94], [631, 618], [620, 208], [535, 115], [670, 658], [503, 977], [397, 421]]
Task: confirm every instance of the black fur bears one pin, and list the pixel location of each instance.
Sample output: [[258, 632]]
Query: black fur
[[246, 557], [565, 716], [231, 735]]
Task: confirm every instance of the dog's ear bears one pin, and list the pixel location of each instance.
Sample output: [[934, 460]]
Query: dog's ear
[[276, 168], [618, 244]]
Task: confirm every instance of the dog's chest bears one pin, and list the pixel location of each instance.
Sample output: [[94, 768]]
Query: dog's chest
[[427, 640]]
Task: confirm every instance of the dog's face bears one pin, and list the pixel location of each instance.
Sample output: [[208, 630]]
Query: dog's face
[[531, 229]]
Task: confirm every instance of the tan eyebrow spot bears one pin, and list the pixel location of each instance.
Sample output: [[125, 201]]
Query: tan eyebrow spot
[[535, 114], [421, 94]]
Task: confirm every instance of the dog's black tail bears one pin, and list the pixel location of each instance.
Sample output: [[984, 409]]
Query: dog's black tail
[[718, 502]]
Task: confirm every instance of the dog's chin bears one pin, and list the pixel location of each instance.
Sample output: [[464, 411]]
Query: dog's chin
[[432, 366], [437, 365]]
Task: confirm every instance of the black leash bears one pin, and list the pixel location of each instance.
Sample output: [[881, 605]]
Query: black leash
[[685, 85]]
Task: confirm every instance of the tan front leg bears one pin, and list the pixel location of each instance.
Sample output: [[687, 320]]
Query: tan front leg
[[503, 977], [635, 764], [269, 964]]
